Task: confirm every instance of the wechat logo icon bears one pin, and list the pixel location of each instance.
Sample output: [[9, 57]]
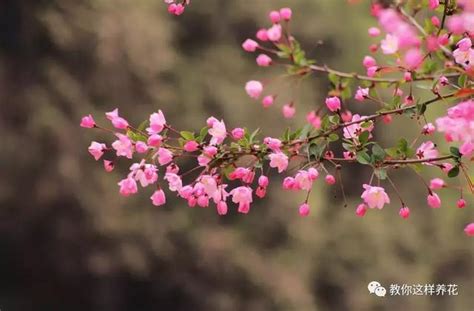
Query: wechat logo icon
[[376, 288]]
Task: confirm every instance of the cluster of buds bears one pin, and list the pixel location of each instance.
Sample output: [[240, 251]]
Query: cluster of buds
[[176, 7]]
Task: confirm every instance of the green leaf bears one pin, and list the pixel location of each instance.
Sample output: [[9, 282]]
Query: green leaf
[[333, 137], [252, 136], [455, 152], [462, 80], [317, 150], [378, 153], [364, 137], [363, 157], [334, 79], [453, 172], [187, 135]]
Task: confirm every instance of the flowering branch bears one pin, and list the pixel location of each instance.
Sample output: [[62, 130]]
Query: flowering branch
[[235, 164]]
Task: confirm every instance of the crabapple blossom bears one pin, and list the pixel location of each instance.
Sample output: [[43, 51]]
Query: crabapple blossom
[[469, 230], [330, 179], [97, 150], [128, 186], [117, 121], [375, 197], [461, 203], [289, 111], [254, 89], [191, 146], [88, 122], [237, 133], [361, 210], [158, 198], [264, 60], [304, 209], [108, 166], [278, 160], [333, 103], [433, 200], [404, 212], [268, 101], [250, 45]]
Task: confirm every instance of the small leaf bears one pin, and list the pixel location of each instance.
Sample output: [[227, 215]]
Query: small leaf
[[187, 135], [453, 172], [363, 157], [378, 153]]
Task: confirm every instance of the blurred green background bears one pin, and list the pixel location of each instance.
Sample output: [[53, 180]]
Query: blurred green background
[[68, 241]]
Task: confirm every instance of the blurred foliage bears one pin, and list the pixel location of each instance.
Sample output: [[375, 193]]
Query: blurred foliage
[[70, 242]]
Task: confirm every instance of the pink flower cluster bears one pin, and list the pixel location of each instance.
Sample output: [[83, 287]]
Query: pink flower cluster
[[176, 7], [458, 125]]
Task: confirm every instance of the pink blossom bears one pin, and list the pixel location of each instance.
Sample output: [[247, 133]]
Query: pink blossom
[[117, 121], [108, 166], [141, 147], [264, 60], [242, 196], [437, 183], [254, 89], [404, 212], [374, 31], [435, 21], [361, 210], [289, 111], [461, 203], [238, 133], [433, 200], [165, 156], [346, 116], [186, 191], [123, 146], [274, 17], [313, 173], [333, 103], [273, 143], [354, 130], [261, 192], [428, 129], [304, 210], [375, 197], [427, 150], [361, 94], [97, 150], [154, 140], [314, 119], [262, 35], [268, 101], [413, 58], [469, 230], [278, 160], [390, 44], [330, 179], [221, 208], [286, 13], [158, 198], [459, 122], [191, 146], [372, 71], [303, 181], [218, 132], [263, 181], [467, 149], [88, 122], [369, 61], [288, 183], [174, 181], [157, 123], [250, 45], [433, 4], [128, 186], [274, 33]]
